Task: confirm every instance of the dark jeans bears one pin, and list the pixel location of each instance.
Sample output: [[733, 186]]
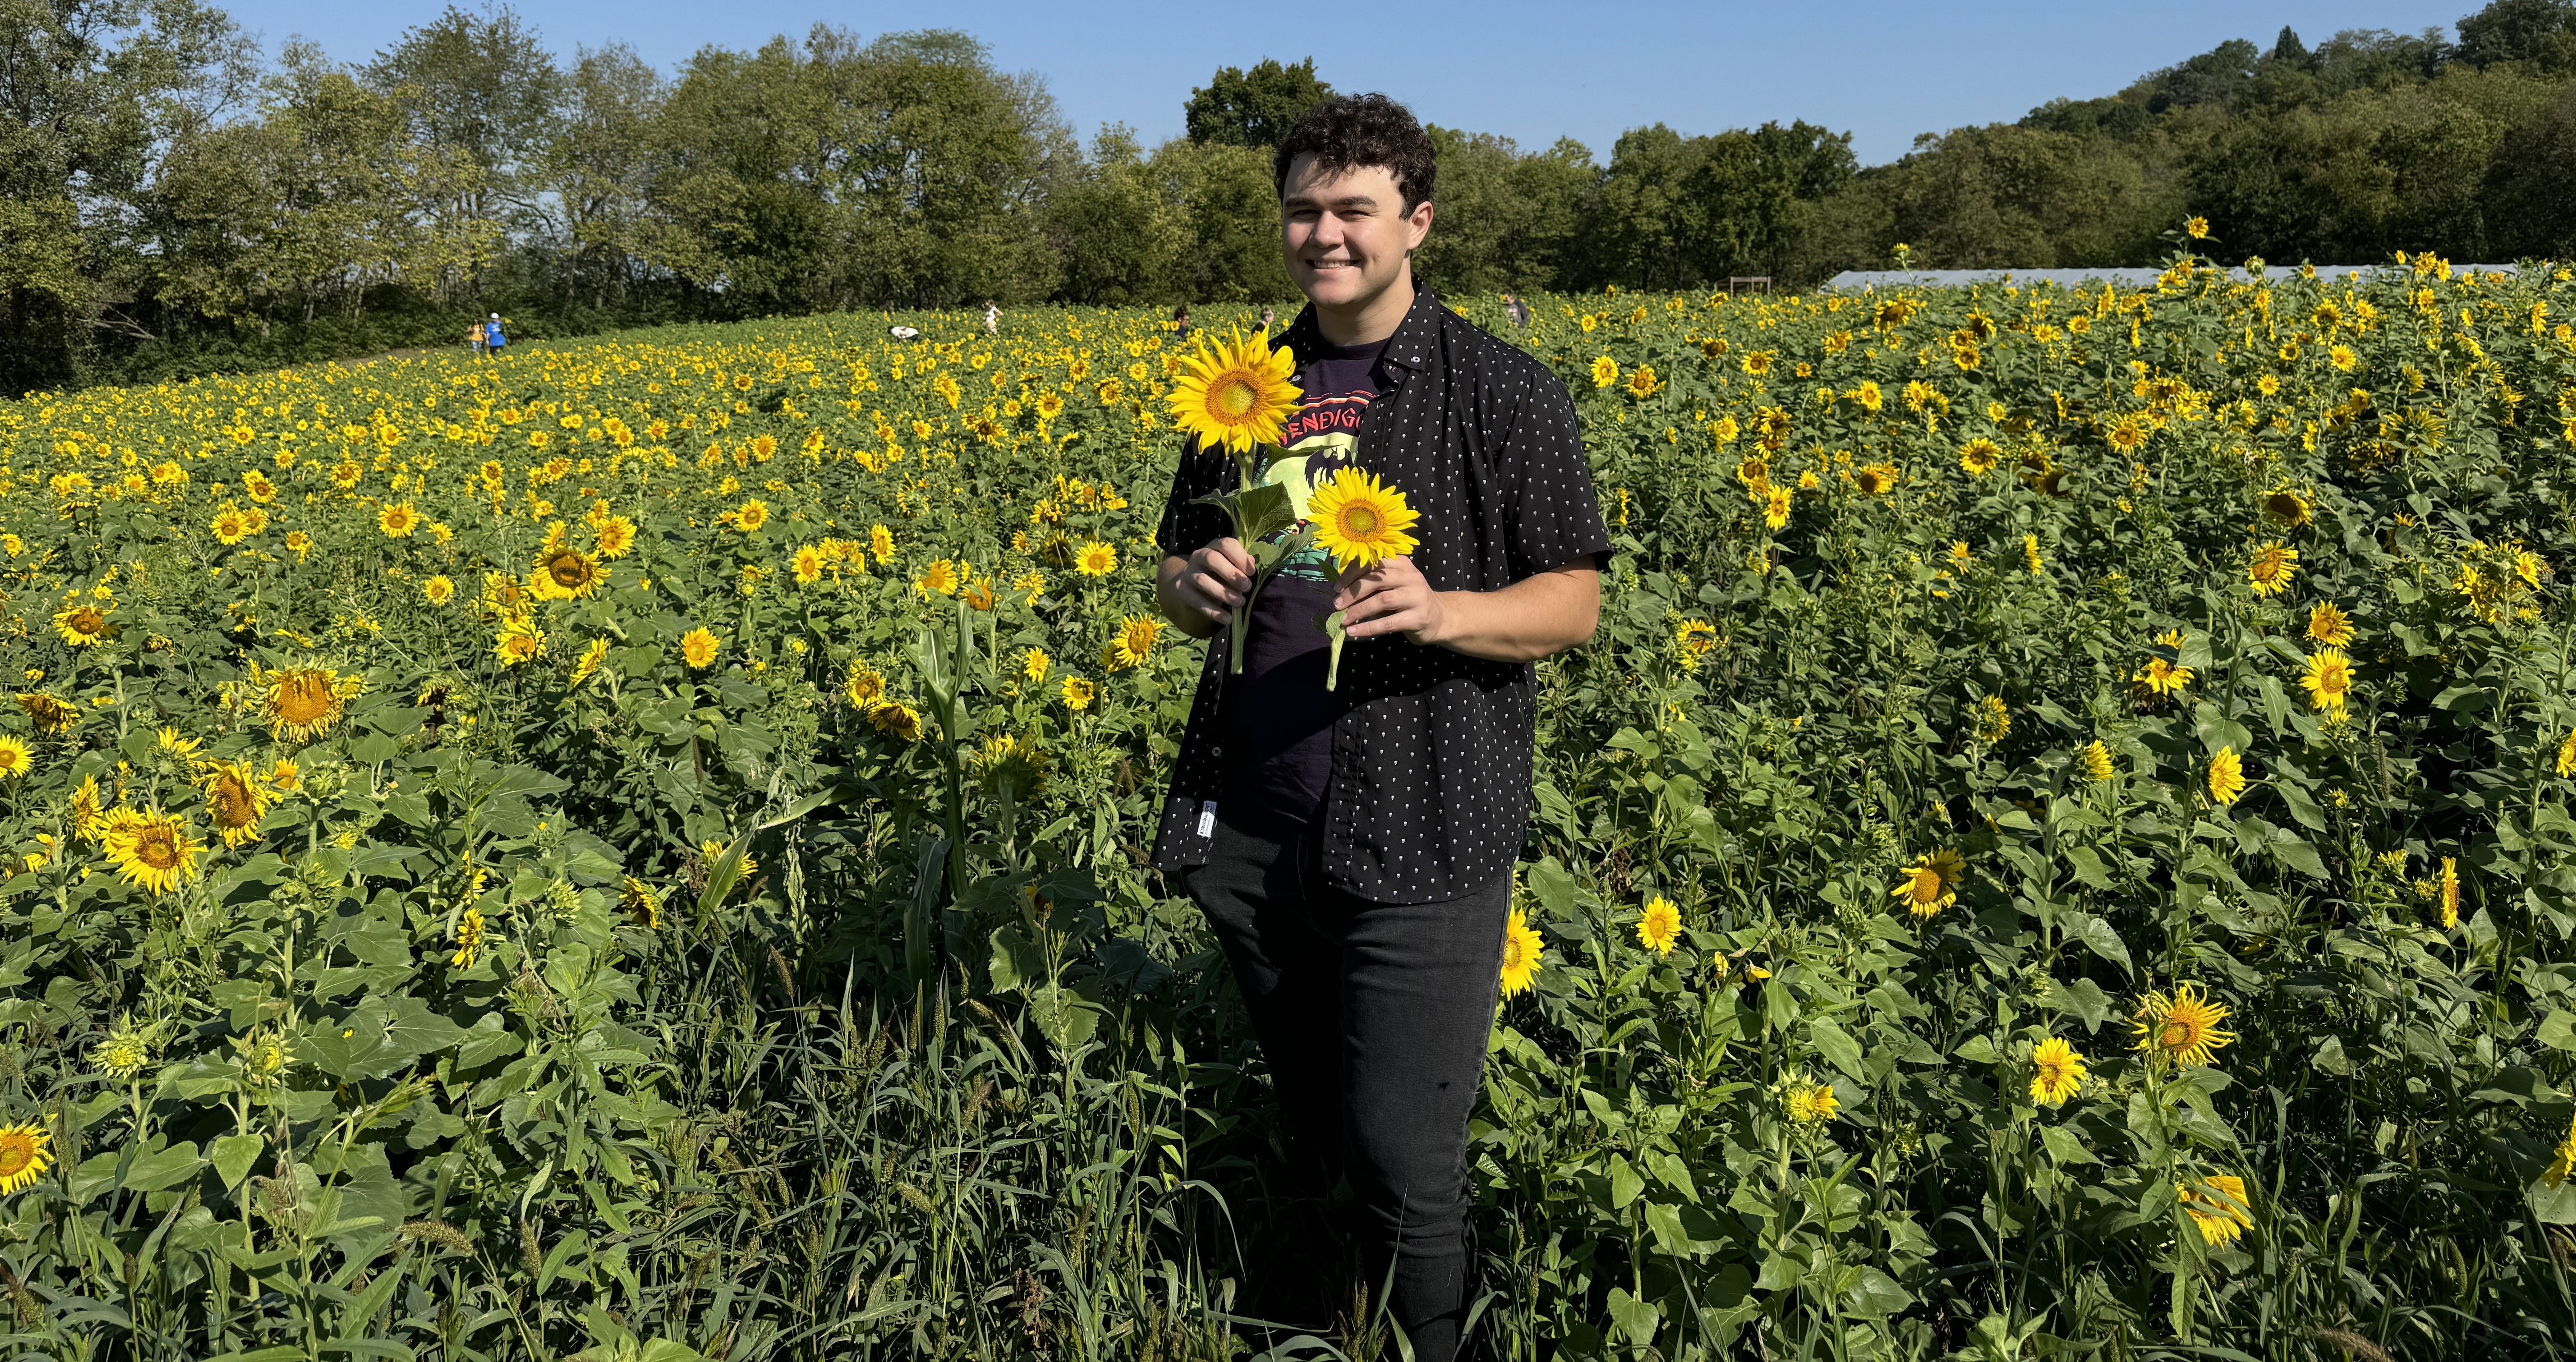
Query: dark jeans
[[1374, 1017]]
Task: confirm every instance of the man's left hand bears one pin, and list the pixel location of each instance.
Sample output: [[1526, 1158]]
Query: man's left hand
[[1390, 598]]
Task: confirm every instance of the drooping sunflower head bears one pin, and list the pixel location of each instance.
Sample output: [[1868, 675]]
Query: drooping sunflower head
[[153, 849], [22, 1155], [592, 658], [2217, 1205], [896, 719], [236, 801], [303, 703], [2226, 776], [564, 573], [52, 715], [1522, 948], [1360, 520], [1236, 395], [2056, 1071], [2181, 1029], [2284, 506], [1659, 926]]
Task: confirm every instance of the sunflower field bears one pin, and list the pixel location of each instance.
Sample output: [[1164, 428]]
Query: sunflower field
[[634, 850]]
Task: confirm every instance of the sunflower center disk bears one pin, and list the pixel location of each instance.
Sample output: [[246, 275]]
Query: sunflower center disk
[[1236, 398]]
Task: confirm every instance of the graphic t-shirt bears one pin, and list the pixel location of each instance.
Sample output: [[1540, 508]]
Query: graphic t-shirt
[[1279, 714]]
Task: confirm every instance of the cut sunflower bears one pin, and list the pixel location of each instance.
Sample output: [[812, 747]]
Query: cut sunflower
[[1360, 520], [1237, 395]]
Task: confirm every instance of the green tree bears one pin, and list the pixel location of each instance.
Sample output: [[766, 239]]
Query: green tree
[[1118, 227], [1232, 251], [484, 86], [1504, 219], [89, 90], [597, 172], [2541, 33], [1254, 108]]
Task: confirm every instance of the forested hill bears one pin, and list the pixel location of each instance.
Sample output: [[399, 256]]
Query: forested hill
[[173, 200]]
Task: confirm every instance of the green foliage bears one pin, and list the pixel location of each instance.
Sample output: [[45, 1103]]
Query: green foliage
[[1254, 108]]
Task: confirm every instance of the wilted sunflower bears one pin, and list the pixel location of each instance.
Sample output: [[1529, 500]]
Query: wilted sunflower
[[153, 849], [53, 717], [1659, 925], [1136, 636], [591, 659], [2328, 680], [2226, 776], [896, 719], [1236, 396], [22, 1155], [235, 802], [2183, 1029], [2056, 1072], [469, 939], [2328, 624], [1522, 949], [2286, 507], [1095, 559], [1877, 479], [1931, 883], [83, 623], [302, 703], [2272, 567], [2097, 760], [699, 647], [14, 758], [2217, 1205], [1360, 520]]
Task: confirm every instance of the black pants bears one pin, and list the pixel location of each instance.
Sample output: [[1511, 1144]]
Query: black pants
[[1374, 1017]]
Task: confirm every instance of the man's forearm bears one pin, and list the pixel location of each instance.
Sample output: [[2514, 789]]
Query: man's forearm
[[1537, 616]]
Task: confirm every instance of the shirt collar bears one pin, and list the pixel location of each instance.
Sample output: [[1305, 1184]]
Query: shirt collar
[[1414, 348]]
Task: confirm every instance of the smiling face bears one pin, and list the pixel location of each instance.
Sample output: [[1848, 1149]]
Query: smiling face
[[1347, 234]]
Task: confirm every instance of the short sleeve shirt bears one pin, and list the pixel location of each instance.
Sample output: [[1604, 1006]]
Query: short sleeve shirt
[[1428, 789]]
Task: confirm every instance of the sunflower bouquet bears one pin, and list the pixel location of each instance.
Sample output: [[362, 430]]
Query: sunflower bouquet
[[1237, 397]]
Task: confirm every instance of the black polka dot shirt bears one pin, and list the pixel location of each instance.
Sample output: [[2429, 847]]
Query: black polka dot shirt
[[1429, 792]]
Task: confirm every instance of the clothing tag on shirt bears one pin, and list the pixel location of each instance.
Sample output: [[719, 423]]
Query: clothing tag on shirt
[[1207, 819]]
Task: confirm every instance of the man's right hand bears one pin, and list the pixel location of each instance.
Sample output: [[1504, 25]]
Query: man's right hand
[[1199, 592]]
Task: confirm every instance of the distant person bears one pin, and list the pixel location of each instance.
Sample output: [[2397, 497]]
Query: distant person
[[903, 332], [1517, 310], [494, 338], [474, 339], [1181, 321], [1268, 318], [992, 318]]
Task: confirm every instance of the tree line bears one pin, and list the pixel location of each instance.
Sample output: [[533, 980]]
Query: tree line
[[174, 201]]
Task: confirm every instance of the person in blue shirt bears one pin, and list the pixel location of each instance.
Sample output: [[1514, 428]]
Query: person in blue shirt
[[493, 340]]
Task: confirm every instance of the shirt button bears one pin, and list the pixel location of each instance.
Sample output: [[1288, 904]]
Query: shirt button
[[1216, 751]]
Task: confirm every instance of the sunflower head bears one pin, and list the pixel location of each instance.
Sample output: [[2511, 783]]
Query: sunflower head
[[153, 849], [1360, 521], [236, 801], [23, 1157], [2181, 1029], [1931, 883], [303, 703], [2056, 1072], [1522, 947], [1136, 637], [564, 573], [1237, 395], [1659, 926], [699, 647], [2217, 1205]]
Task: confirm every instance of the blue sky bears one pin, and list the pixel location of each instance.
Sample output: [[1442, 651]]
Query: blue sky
[[1881, 70]]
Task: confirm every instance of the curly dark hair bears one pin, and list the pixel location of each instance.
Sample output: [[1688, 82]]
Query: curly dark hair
[[1348, 131]]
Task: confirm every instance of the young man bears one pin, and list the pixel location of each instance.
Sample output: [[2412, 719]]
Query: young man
[[1353, 848]]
